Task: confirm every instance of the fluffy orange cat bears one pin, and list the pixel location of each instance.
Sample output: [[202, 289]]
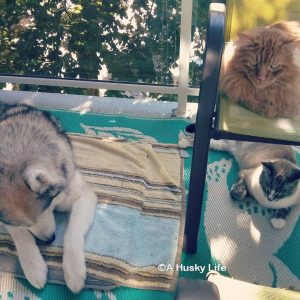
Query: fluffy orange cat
[[261, 70]]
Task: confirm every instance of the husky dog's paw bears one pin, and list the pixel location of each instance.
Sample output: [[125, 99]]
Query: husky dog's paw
[[35, 270], [238, 190], [74, 269], [30, 258], [278, 223]]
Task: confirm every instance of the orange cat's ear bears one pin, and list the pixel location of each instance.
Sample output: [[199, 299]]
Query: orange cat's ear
[[296, 43], [291, 45], [245, 36], [288, 41], [245, 39]]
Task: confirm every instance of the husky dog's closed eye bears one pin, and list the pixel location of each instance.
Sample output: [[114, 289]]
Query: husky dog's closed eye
[[38, 176]]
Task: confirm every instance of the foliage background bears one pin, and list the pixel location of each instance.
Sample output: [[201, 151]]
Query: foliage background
[[136, 41]]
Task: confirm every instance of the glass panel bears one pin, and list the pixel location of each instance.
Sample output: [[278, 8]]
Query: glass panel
[[135, 41]]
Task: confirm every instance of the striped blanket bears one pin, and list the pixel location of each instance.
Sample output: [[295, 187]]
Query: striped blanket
[[139, 217]]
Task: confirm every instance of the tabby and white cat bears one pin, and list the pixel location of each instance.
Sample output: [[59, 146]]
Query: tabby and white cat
[[268, 173], [261, 70]]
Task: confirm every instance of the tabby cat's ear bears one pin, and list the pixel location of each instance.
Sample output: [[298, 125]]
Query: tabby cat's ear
[[295, 175], [268, 165]]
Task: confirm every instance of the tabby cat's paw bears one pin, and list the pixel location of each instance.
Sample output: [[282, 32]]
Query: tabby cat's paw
[[278, 223], [238, 191]]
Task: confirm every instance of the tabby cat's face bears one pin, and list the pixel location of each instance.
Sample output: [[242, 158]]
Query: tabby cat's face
[[264, 55], [279, 179]]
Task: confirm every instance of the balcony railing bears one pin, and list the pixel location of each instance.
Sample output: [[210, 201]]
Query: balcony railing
[[182, 89]]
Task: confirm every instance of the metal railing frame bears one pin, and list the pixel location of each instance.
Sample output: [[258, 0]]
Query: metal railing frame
[[183, 90]]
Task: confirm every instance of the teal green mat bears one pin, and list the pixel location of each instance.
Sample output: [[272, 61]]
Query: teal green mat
[[141, 129], [234, 236]]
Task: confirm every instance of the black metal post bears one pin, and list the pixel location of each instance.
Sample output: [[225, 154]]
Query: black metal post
[[207, 101]]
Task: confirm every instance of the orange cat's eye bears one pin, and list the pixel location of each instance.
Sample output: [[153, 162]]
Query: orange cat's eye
[[275, 67]]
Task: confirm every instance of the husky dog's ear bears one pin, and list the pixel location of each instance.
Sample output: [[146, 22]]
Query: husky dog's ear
[[41, 181]]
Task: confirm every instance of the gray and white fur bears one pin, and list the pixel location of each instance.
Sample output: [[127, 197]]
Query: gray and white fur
[[268, 173], [38, 176]]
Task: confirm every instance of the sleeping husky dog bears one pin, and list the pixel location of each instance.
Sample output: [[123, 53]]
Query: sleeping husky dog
[[38, 176]]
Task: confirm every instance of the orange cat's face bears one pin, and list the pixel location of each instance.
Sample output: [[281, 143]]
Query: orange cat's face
[[265, 55], [261, 70]]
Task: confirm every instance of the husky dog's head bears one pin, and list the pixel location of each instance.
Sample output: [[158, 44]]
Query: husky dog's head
[[36, 162], [27, 194]]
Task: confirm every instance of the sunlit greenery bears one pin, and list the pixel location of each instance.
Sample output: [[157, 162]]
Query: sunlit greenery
[[136, 41]]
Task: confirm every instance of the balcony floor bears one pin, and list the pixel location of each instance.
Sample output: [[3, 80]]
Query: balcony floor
[[236, 237]]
